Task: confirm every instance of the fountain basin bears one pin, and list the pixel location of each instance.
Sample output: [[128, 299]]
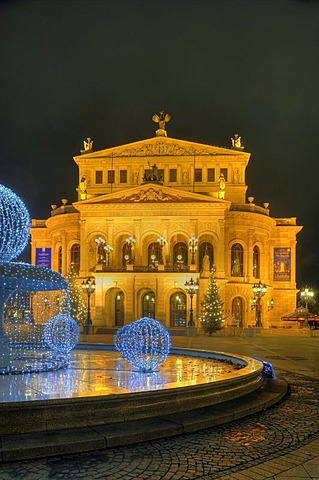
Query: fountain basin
[[89, 394]]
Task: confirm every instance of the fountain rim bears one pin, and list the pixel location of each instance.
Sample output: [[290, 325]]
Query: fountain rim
[[107, 410]]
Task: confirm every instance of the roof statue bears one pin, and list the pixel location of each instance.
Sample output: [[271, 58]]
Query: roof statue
[[161, 119], [236, 142], [88, 145]]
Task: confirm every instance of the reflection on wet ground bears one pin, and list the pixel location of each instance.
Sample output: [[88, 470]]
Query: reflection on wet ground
[[93, 373]]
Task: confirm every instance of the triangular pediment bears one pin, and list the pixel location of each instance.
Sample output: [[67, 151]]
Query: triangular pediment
[[161, 146], [151, 192]]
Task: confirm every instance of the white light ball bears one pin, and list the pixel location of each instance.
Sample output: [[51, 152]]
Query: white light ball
[[14, 225], [61, 333]]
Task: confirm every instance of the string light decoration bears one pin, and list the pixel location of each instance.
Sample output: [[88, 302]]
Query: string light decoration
[[144, 343], [29, 297], [61, 334], [14, 224]]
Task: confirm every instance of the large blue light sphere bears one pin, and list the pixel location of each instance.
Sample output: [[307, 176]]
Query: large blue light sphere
[[14, 225], [144, 343], [61, 333]]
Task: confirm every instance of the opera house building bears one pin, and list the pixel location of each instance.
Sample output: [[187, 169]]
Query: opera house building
[[154, 214]]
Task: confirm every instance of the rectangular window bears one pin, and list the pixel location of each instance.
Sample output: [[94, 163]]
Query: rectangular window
[[110, 176], [211, 175], [173, 175], [224, 171], [99, 176], [198, 175], [123, 176]]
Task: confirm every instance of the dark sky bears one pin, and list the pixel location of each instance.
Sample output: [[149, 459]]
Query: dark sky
[[72, 69]]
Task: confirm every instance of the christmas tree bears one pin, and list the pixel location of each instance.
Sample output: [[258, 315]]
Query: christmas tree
[[78, 309], [212, 308]]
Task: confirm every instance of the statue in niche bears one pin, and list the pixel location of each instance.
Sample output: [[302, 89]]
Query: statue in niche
[[206, 263], [222, 183], [135, 178], [88, 144], [185, 176], [236, 175]]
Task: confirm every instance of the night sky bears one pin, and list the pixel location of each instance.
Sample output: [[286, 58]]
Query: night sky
[[72, 69]]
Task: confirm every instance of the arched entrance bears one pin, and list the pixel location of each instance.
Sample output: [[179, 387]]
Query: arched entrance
[[237, 312], [119, 309], [148, 304], [178, 310]]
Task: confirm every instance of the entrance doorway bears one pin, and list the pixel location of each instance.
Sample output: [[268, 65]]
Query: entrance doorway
[[148, 304]]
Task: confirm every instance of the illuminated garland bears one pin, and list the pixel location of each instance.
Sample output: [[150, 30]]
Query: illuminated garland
[[61, 333], [30, 297], [144, 343], [14, 224]]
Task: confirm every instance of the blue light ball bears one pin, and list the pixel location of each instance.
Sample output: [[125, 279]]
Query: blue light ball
[[144, 343], [61, 333], [14, 225]]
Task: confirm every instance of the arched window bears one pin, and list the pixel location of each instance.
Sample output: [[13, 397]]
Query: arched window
[[256, 262], [178, 310], [148, 304], [153, 255], [237, 312], [119, 309], [126, 257], [237, 254], [180, 256], [206, 248], [60, 259], [75, 257]]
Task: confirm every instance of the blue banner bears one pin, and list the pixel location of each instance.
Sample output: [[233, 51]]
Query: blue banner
[[43, 257]]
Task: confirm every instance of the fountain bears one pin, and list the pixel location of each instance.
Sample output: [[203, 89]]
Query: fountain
[[41, 399], [29, 297]]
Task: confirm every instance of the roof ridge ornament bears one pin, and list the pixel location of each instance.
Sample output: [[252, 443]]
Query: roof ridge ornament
[[236, 142], [161, 119]]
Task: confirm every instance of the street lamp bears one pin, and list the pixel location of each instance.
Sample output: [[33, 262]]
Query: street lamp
[[306, 295], [108, 249], [191, 287], [259, 290], [161, 242], [193, 247], [88, 287]]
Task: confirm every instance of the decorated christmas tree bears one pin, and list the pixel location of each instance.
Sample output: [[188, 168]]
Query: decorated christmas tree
[[212, 308], [78, 308]]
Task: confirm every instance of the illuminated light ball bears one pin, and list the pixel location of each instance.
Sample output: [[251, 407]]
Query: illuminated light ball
[[14, 225], [61, 333], [145, 344], [119, 337]]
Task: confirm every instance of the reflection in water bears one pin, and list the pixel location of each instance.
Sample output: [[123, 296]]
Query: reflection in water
[[100, 372]]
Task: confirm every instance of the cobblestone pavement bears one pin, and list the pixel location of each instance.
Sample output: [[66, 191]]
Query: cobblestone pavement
[[216, 453]]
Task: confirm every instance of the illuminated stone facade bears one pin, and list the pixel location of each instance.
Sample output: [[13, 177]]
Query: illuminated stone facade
[[131, 196]]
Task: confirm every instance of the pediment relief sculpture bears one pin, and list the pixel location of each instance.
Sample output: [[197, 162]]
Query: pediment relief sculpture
[[150, 195], [162, 148]]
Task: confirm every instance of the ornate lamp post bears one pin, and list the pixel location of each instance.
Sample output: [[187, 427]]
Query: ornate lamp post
[[108, 249], [161, 242], [193, 247], [191, 287], [88, 287], [259, 290], [306, 295], [130, 243]]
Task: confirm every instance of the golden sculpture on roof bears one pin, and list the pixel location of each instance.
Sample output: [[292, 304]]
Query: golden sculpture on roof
[[88, 144], [162, 118]]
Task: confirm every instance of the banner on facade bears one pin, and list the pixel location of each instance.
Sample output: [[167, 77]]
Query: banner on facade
[[43, 257], [282, 264]]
